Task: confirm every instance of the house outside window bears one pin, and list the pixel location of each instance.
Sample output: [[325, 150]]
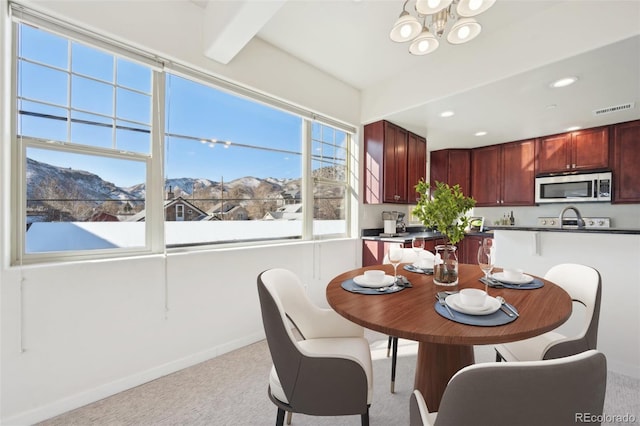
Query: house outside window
[[90, 147]]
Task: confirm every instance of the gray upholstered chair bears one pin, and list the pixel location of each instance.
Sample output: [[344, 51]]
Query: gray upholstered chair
[[326, 372], [408, 256], [551, 392], [584, 285]]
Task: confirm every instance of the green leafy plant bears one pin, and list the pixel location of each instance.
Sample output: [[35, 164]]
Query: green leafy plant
[[443, 209]]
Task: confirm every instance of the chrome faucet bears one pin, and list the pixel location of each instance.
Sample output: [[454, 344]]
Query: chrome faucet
[[580, 220]]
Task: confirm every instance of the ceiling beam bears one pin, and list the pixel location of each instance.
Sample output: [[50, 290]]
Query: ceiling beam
[[230, 25]]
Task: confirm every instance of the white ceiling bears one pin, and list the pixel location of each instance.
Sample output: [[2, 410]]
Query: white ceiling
[[498, 82]]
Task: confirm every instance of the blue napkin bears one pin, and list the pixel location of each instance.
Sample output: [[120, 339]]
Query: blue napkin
[[411, 268], [536, 283], [496, 318], [351, 286]]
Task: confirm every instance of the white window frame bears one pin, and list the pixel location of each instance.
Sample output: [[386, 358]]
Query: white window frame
[[153, 240], [346, 184], [154, 200]]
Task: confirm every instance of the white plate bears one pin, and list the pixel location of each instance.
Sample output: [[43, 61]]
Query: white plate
[[490, 305], [362, 281], [525, 279]]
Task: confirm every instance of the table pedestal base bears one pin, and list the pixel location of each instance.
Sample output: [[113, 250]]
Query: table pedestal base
[[435, 365]]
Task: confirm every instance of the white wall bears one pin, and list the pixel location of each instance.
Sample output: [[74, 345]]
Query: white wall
[[615, 256], [91, 329], [624, 216], [175, 30], [77, 332], [451, 75]]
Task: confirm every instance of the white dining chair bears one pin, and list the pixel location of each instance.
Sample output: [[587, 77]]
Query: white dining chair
[[409, 255], [328, 371], [529, 393], [584, 285]]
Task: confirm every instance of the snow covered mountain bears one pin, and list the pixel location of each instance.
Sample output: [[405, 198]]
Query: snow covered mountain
[[45, 181]]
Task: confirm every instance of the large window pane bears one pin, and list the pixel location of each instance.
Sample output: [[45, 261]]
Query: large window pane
[[234, 169], [86, 194], [98, 113], [231, 162], [329, 168], [93, 195], [198, 110]]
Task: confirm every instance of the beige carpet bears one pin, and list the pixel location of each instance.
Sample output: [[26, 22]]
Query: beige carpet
[[232, 390]]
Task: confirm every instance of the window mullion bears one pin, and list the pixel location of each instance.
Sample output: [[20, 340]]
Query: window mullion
[[69, 88], [307, 182], [154, 205]]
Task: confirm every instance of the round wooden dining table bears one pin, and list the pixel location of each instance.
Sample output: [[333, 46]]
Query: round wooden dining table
[[445, 346]]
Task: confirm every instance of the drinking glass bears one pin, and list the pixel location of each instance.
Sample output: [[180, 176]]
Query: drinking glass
[[417, 244], [395, 257], [486, 260]]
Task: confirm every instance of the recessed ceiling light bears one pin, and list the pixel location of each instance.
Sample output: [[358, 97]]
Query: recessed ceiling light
[[564, 82], [447, 114], [572, 128], [482, 133], [551, 106]]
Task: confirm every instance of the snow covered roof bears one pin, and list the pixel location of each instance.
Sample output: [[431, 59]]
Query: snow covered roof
[[65, 236]]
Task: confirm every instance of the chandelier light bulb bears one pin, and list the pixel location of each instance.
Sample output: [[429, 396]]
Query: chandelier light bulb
[[475, 4], [429, 7], [405, 28], [441, 16], [424, 43], [464, 30], [468, 8], [405, 31]]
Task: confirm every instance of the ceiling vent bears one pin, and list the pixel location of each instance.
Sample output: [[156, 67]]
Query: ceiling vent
[[614, 109]]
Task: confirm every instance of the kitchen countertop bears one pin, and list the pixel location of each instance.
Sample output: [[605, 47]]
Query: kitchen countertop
[[374, 235], [586, 230]]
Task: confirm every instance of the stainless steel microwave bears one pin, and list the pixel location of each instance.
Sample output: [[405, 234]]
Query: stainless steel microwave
[[582, 187]]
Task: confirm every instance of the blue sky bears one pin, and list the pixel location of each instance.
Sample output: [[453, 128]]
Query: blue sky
[[193, 109]]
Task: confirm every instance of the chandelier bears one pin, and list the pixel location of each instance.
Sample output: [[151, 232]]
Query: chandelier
[[433, 19]]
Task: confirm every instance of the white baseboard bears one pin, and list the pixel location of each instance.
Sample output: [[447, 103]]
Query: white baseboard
[[103, 391]]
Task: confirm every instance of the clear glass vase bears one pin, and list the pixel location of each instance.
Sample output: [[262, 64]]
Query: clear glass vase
[[445, 268]]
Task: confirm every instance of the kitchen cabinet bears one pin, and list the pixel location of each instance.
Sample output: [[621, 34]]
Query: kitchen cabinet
[[453, 167], [581, 150], [430, 245], [416, 164], [503, 175], [626, 158], [394, 158], [373, 251], [485, 177], [468, 249]]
